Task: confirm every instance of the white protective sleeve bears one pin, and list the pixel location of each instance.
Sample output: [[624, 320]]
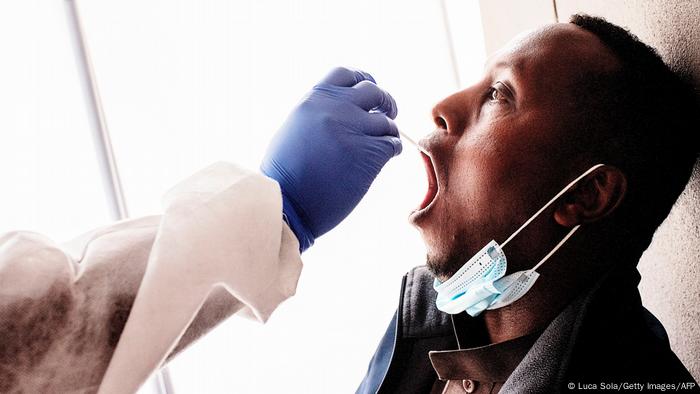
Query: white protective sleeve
[[222, 228]]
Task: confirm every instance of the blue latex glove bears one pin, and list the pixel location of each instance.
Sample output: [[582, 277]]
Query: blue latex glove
[[330, 149]]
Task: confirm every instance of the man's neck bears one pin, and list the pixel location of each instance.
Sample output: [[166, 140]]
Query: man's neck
[[552, 292], [512, 322]]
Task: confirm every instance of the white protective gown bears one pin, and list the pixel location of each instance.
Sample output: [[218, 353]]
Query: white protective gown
[[220, 247]]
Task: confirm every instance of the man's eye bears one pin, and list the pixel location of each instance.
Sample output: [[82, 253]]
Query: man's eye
[[498, 93], [495, 95]]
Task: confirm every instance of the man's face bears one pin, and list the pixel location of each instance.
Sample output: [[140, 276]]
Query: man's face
[[501, 148]]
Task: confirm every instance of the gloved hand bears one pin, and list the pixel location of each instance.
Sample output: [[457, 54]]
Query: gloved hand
[[329, 151]]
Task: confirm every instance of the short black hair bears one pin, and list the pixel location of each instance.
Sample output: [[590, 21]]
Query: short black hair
[[644, 119]]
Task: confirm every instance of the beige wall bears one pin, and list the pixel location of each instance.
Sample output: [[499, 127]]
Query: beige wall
[[670, 267]]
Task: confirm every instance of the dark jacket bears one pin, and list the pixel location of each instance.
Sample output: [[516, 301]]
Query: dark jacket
[[604, 335]]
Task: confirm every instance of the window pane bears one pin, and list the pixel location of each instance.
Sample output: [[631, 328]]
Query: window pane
[[47, 161], [186, 83]]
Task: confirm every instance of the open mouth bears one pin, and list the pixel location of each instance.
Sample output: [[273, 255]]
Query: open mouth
[[432, 182]]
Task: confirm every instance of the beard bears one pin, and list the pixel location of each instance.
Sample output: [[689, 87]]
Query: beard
[[444, 265]]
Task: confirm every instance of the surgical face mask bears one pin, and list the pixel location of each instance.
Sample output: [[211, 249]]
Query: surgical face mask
[[480, 284]]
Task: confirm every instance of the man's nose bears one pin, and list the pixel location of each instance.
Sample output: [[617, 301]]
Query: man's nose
[[452, 113]]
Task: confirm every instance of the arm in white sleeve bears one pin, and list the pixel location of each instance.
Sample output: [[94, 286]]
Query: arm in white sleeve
[[221, 247], [198, 249]]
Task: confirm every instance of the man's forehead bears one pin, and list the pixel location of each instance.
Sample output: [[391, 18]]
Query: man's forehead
[[503, 56], [559, 39], [556, 46]]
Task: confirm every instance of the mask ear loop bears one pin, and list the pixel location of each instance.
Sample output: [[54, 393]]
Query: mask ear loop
[[551, 252], [533, 217]]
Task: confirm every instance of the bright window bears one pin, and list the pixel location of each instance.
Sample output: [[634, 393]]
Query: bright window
[[51, 183]]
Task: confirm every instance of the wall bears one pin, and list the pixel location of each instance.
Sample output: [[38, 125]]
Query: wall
[[670, 269]]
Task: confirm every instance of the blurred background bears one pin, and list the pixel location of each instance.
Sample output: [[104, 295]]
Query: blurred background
[[185, 83]]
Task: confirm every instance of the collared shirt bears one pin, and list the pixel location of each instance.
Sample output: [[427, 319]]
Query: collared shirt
[[477, 369]]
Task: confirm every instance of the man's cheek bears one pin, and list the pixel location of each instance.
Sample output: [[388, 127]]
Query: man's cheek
[[452, 225]]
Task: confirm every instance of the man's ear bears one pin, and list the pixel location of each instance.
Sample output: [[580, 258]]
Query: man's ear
[[595, 196]]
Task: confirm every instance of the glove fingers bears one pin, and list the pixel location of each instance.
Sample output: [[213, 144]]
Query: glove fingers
[[346, 77], [379, 125], [371, 97], [391, 145]]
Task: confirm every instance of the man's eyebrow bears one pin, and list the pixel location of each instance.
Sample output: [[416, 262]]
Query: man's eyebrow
[[503, 64], [516, 66]]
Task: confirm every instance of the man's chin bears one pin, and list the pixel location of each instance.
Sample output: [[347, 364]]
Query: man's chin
[[444, 265]]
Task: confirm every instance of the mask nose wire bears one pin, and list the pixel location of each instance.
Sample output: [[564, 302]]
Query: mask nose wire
[[533, 217]]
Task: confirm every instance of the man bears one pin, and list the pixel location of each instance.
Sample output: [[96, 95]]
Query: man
[[551, 105]]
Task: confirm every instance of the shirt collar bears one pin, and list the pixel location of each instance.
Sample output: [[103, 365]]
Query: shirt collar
[[486, 364]]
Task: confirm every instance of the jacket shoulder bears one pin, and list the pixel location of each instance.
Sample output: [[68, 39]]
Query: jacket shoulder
[[620, 340], [420, 317]]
